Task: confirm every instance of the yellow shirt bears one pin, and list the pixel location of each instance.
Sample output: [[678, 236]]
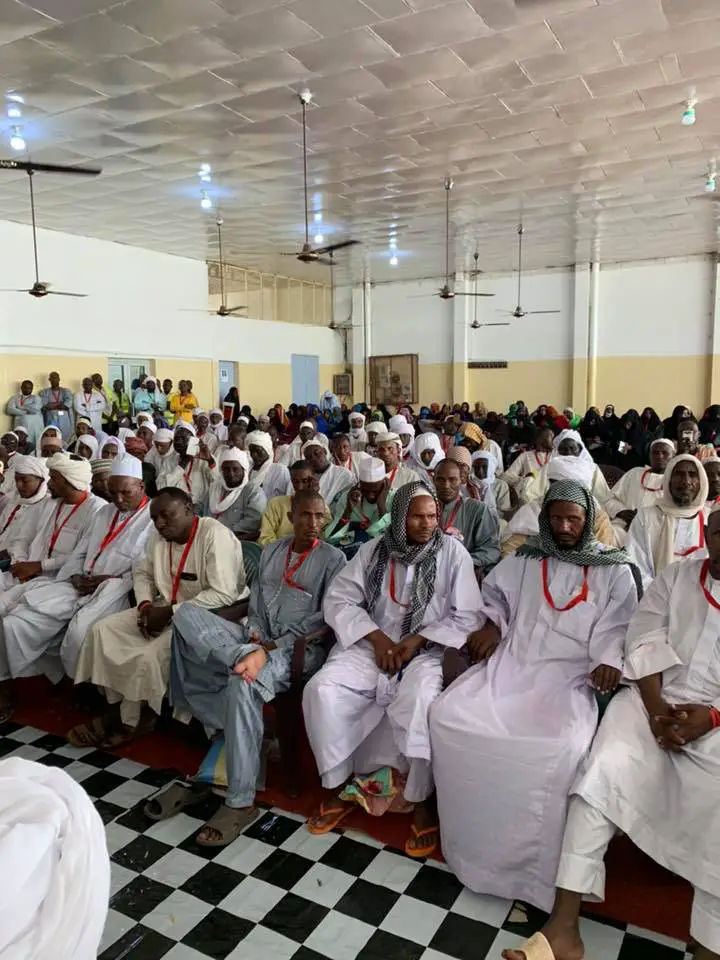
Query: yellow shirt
[[275, 522], [183, 406]]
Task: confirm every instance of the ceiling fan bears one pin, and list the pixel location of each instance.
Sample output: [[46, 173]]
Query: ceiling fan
[[223, 310], [40, 289], [332, 325], [446, 292], [309, 254], [518, 312], [476, 325]]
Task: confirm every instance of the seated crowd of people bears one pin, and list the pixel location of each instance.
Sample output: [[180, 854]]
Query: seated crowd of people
[[467, 596]]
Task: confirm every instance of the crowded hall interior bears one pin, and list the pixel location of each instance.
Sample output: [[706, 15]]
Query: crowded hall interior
[[359, 454]]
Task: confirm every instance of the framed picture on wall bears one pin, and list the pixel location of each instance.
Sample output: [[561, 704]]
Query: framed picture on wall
[[394, 378]]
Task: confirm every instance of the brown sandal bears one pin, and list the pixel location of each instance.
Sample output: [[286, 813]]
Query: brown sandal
[[119, 735], [174, 797], [229, 822], [89, 734]]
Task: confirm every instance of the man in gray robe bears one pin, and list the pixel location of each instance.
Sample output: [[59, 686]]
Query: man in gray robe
[[57, 405], [223, 673], [469, 521]]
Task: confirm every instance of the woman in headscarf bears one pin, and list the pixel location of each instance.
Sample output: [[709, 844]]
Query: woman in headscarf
[[112, 448], [651, 422], [596, 436], [510, 735], [568, 443], [632, 445], [474, 439], [543, 417], [232, 397], [87, 447], [465, 414], [50, 441], [82, 427], [671, 423], [710, 426], [427, 452], [572, 418], [399, 603]]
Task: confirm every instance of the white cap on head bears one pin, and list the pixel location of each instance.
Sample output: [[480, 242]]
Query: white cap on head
[[388, 438], [233, 455], [143, 415], [127, 466], [199, 412], [312, 442], [376, 427], [371, 470], [148, 425], [151, 380], [668, 443], [397, 423], [306, 423], [184, 425], [259, 438], [216, 410], [243, 419], [22, 430], [163, 435]]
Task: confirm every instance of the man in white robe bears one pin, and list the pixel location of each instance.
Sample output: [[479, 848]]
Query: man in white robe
[[398, 605], [373, 430], [29, 481], [530, 462], [25, 408], [54, 530], [654, 768], [333, 481], [509, 734], [292, 452], [568, 443], [191, 559], [95, 581], [640, 487], [223, 673], [161, 454], [389, 450], [194, 470], [91, 403], [272, 478], [238, 504], [673, 529], [344, 456], [358, 436]]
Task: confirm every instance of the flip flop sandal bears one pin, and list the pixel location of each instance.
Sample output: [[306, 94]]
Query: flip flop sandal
[[229, 823], [88, 734], [342, 811], [120, 736], [173, 798], [429, 848], [537, 948]]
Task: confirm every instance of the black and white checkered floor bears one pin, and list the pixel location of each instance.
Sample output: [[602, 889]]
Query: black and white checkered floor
[[277, 892]]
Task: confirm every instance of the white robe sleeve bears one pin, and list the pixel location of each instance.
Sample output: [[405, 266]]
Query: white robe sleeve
[[144, 574], [618, 495], [75, 563], [500, 592], [607, 637], [599, 487], [639, 547], [647, 645], [463, 600], [224, 570], [344, 603]]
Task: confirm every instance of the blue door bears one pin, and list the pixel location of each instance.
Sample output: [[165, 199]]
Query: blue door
[[305, 378]]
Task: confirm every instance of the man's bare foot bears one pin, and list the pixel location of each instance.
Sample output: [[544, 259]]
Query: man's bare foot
[[565, 942], [330, 812]]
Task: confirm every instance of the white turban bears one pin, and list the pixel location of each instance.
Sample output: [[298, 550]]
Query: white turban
[[125, 432], [388, 437], [164, 435], [89, 441], [184, 425], [573, 435], [30, 466], [492, 463], [21, 429], [571, 468], [668, 443], [216, 410], [427, 441], [127, 466], [233, 455], [397, 423], [85, 420], [376, 427], [356, 416], [312, 442], [244, 419], [143, 416], [260, 438], [221, 496], [114, 442], [54, 858], [199, 412], [371, 470], [78, 473], [148, 425]]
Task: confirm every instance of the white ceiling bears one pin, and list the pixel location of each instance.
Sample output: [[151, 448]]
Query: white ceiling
[[568, 110]]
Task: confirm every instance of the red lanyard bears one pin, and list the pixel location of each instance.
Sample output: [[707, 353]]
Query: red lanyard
[[701, 538], [393, 595], [11, 517], [183, 560], [114, 531], [21, 398], [57, 530], [87, 397], [708, 596], [580, 598], [186, 476], [391, 477], [453, 514], [289, 574], [537, 459]]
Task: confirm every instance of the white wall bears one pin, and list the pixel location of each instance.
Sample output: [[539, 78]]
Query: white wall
[[408, 318], [139, 303]]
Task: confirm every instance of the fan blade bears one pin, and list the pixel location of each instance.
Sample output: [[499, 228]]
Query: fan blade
[[209, 313], [495, 325], [29, 167], [336, 246], [325, 263], [283, 254], [536, 312], [234, 309], [63, 293], [474, 294], [11, 290]]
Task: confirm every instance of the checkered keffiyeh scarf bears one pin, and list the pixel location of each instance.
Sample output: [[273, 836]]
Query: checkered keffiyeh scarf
[[394, 545], [587, 552]]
